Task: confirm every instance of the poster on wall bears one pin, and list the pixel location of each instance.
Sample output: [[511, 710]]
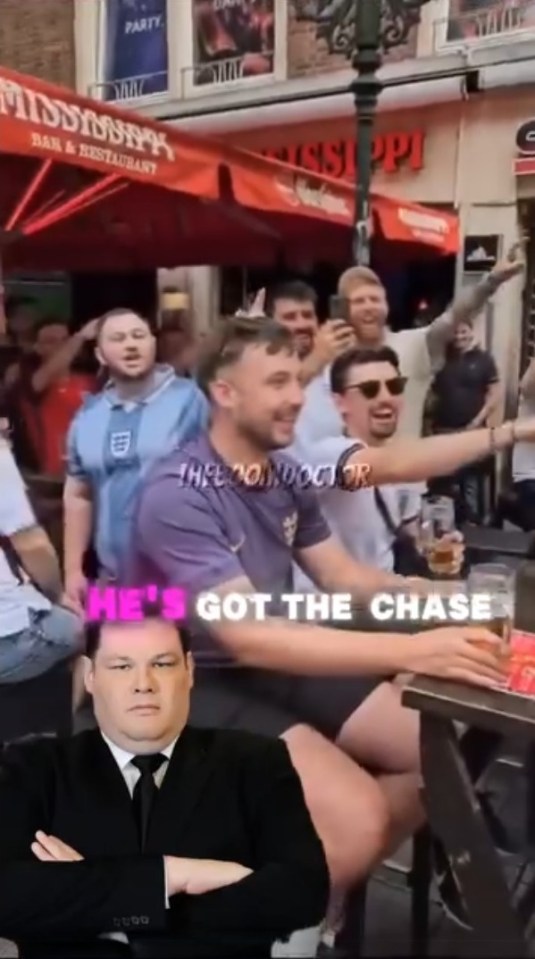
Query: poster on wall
[[232, 40], [135, 48], [321, 37], [480, 253], [476, 19]]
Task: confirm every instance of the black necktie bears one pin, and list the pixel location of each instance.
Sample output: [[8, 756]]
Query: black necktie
[[145, 790]]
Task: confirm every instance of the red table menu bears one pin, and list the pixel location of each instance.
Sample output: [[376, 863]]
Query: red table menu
[[522, 665]]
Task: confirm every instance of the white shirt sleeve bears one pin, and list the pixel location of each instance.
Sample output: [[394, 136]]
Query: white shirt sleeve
[[439, 334], [167, 903], [410, 501], [16, 513], [319, 417], [320, 458]]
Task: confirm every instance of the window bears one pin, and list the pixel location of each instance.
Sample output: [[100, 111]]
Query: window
[[132, 49], [472, 21], [232, 44]]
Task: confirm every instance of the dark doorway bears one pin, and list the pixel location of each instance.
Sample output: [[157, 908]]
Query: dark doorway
[[95, 293], [409, 286]]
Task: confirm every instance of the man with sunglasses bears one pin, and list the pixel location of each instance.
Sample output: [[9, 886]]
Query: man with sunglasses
[[368, 389]]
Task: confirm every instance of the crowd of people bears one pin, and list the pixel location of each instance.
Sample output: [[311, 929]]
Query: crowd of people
[[311, 736]]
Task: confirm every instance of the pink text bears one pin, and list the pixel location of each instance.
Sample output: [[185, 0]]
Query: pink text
[[114, 604]]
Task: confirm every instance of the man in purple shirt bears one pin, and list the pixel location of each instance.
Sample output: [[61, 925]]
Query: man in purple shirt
[[205, 525]]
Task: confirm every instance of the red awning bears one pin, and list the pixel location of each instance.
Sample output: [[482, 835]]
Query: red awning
[[85, 186]]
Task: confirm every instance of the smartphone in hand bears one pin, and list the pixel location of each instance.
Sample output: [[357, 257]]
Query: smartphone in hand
[[339, 308]]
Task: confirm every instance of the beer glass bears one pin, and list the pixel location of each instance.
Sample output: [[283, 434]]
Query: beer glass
[[438, 541], [498, 582]]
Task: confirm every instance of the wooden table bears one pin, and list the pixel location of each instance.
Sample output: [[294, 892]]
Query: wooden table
[[455, 815]]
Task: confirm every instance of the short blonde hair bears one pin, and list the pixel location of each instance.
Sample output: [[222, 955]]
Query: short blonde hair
[[357, 276]]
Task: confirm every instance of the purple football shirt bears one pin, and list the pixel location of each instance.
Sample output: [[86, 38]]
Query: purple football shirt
[[198, 527]]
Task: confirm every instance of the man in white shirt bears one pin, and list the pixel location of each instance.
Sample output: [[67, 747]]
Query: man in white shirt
[[367, 389], [35, 632], [369, 421], [524, 453], [419, 350]]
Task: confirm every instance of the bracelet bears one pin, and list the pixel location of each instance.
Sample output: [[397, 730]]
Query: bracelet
[[494, 445]]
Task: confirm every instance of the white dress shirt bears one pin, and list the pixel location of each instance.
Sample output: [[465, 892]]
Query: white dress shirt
[[131, 774]]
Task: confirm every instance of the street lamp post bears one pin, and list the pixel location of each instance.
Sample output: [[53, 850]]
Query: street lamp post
[[380, 25]]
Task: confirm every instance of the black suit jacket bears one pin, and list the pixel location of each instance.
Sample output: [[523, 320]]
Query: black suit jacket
[[225, 795]]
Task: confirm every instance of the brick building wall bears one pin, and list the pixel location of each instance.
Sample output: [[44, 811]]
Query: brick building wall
[[37, 37]]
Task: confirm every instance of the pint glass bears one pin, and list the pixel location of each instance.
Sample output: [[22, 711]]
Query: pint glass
[[498, 582], [438, 536]]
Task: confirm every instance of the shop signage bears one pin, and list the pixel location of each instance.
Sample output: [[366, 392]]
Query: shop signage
[[298, 193], [336, 158], [480, 253], [525, 145]]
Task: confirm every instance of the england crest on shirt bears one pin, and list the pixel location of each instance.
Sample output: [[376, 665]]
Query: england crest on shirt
[[120, 444], [289, 526]]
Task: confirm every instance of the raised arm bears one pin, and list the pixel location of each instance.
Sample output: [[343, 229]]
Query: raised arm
[[61, 361], [471, 301], [410, 460]]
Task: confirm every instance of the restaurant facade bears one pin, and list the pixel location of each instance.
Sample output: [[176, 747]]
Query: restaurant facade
[[457, 155]]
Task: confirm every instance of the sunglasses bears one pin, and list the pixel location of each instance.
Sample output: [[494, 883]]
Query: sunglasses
[[370, 389]]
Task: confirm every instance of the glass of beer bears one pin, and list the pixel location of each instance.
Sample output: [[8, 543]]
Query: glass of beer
[[498, 582], [439, 537]]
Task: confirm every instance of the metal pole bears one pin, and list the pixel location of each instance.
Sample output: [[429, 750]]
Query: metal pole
[[366, 88]]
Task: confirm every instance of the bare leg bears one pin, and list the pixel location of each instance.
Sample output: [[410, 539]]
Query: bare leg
[[347, 806], [383, 735]]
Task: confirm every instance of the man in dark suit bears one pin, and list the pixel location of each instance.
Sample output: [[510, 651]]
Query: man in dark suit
[[147, 837]]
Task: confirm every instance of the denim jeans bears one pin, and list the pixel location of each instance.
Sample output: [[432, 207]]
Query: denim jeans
[[50, 638]]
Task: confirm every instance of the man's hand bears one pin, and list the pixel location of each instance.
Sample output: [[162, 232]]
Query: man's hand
[[197, 876], [257, 307], [75, 592], [89, 331], [50, 849], [513, 264], [333, 338], [464, 654]]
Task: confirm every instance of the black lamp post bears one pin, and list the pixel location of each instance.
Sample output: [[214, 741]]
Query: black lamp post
[[380, 25]]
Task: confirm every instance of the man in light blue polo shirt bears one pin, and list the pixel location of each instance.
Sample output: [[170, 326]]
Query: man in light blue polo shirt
[[142, 414]]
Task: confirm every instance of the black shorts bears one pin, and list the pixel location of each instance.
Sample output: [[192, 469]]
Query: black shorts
[[269, 704]]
